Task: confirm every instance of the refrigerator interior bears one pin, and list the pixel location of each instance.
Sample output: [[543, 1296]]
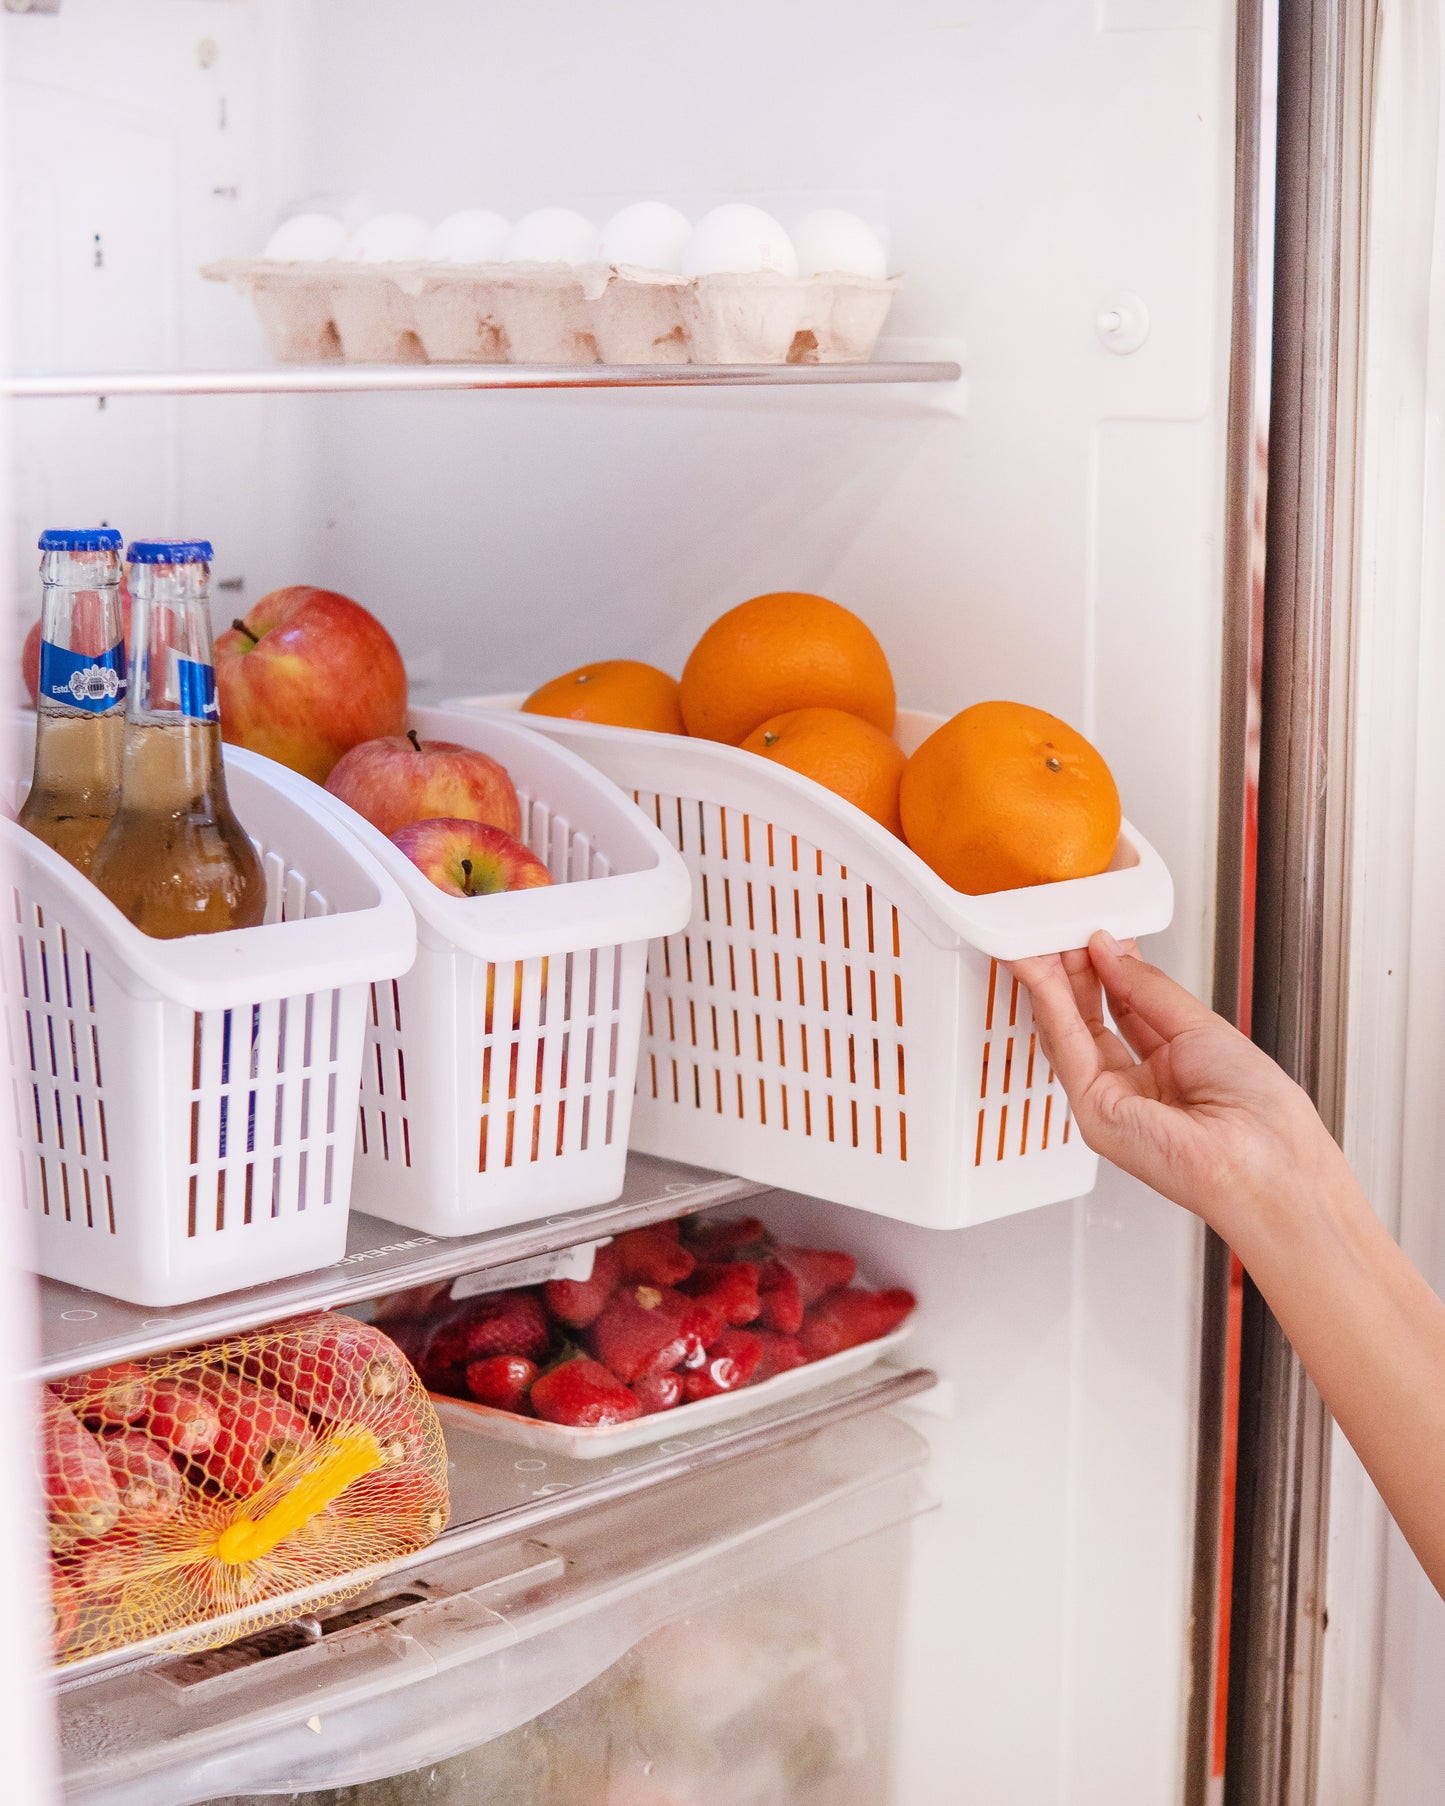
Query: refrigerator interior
[[1050, 529]]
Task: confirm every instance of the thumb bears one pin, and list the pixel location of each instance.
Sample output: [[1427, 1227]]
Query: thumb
[[1136, 988]]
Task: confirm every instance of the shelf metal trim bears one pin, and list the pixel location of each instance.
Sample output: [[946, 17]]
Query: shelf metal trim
[[80, 1329], [355, 379]]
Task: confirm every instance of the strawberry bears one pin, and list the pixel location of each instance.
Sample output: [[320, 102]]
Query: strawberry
[[779, 1354], [731, 1287], [81, 1499], [260, 1436], [333, 1368], [150, 1486], [731, 1362], [652, 1257], [819, 1270], [718, 1238], [578, 1302], [497, 1323], [658, 1391], [107, 1395], [181, 1416], [648, 1329], [847, 1318], [502, 1381], [780, 1298], [582, 1392]]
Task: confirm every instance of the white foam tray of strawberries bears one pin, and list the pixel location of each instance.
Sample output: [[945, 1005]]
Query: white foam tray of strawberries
[[664, 1426]]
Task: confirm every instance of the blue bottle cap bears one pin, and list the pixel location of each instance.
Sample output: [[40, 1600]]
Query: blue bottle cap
[[169, 551], [80, 539]]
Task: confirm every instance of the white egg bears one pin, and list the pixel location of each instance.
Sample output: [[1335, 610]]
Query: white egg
[[553, 235], [475, 235], [648, 233], [306, 238], [834, 242], [389, 238], [738, 239]]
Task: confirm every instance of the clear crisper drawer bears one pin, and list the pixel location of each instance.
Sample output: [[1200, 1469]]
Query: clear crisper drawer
[[717, 1644]]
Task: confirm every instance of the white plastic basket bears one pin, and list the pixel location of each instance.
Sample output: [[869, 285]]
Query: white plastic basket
[[472, 1120], [186, 1109], [834, 1019]]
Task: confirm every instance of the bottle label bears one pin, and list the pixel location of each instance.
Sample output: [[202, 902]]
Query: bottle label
[[82, 680], [195, 688]]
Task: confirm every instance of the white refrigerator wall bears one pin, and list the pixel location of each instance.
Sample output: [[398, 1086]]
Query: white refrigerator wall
[[1051, 531]]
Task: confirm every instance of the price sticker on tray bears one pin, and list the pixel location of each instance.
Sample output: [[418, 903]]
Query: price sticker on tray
[[537, 1269]]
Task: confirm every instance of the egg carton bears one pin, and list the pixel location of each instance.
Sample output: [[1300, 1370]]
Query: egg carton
[[535, 313]]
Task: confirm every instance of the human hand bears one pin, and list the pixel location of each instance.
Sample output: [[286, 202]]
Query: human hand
[[1177, 1097]]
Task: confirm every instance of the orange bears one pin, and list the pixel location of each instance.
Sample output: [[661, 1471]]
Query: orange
[[843, 753], [781, 652], [1005, 795], [618, 692]]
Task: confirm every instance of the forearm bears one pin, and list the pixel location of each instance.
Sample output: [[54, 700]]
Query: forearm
[[1371, 1335]]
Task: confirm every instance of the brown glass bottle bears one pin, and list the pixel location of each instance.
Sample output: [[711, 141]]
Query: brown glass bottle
[[80, 709], [175, 859]]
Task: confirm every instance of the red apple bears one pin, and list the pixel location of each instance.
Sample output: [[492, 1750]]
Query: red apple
[[470, 858], [402, 780], [307, 675], [30, 651]]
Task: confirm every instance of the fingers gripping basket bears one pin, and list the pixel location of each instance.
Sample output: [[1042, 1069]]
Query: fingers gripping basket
[[186, 1110], [232, 1485], [499, 1071], [834, 1018]]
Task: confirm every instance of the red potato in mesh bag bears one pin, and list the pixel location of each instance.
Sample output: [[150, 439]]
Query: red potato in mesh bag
[[107, 1395], [278, 1501], [336, 1368], [81, 1500], [64, 1610], [260, 1433], [181, 1415], [149, 1483]]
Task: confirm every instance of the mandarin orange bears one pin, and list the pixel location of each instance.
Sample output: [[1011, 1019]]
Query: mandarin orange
[[843, 753], [1005, 795], [782, 652], [617, 692]]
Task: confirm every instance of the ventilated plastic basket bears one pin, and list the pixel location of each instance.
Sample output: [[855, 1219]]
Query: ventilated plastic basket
[[834, 1018], [499, 1072], [186, 1110]]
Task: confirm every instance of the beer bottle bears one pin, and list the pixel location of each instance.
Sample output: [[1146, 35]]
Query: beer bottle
[[80, 720], [175, 859]]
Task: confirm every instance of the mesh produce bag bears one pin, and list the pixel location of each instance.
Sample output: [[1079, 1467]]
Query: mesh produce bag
[[219, 1479]]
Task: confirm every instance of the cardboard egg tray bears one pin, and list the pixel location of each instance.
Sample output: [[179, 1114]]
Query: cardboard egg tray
[[521, 313]]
